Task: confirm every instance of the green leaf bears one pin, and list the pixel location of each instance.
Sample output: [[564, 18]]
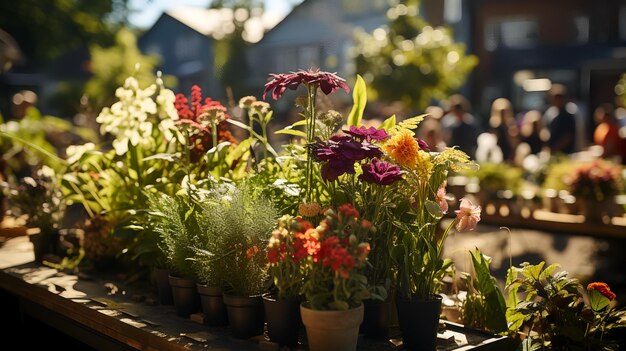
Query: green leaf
[[412, 123], [299, 123], [359, 97], [433, 208], [495, 307], [163, 156], [293, 132], [533, 271], [597, 301], [389, 123]]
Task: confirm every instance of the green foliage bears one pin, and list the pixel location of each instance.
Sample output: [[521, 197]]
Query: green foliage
[[413, 62], [359, 96], [240, 222], [46, 28], [484, 307], [175, 220], [548, 305], [498, 176]]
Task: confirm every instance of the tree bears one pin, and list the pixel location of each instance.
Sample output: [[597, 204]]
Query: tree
[[410, 61], [112, 65], [46, 28]]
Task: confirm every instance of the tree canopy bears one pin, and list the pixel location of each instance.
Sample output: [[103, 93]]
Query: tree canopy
[[410, 61]]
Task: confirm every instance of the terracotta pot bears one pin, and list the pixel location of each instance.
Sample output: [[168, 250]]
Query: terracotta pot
[[332, 330], [186, 298], [245, 315], [212, 305], [283, 320], [419, 321]]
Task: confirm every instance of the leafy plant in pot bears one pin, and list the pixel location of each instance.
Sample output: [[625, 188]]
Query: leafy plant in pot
[[335, 285], [40, 199], [417, 250], [174, 219], [244, 218]]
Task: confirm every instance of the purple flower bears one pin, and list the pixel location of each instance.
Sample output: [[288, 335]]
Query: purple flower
[[367, 134], [381, 172], [340, 153], [422, 144], [326, 81]]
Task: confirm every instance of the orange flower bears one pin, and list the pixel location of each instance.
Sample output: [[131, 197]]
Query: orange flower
[[403, 149], [252, 251], [309, 209], [602, 288]]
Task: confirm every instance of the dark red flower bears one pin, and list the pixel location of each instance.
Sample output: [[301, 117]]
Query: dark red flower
[[422, 144], [340, 153], [200, 140], [602, 288], [326, 81], [367, 134], [381, 172]]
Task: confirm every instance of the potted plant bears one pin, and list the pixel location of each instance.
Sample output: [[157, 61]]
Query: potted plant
[[595, 184], [40, 199], [175, 221], [417, 250], [244, 219], [335, 285], [287, 251], [548, 311]]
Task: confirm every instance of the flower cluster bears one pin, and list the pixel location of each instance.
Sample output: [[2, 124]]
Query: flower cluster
[[596, 180], [132, 118], [602, 288], [335, 279], [203, 118], [340, 153]]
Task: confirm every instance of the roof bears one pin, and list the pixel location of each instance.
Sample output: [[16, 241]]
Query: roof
[[218, 23]]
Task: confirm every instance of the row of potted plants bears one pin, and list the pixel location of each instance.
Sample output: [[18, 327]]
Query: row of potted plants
[[343, 216]]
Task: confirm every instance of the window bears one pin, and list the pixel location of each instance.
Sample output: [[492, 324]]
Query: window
[[512, 33], [286, 60], [581, 29], [453, 11], [187, 47]]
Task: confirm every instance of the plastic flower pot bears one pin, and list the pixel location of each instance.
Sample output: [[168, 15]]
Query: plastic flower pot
[[283, 320], [212, 305], [419, 321], [245, 315], [186, 298], [376, 319]]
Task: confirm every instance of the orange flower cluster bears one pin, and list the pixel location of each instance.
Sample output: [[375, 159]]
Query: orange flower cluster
[[602, 288]]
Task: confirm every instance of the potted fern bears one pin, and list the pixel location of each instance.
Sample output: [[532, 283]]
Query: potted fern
[[175, 221], [244, 219]]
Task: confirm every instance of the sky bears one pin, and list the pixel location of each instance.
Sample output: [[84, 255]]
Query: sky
[[148, 12]]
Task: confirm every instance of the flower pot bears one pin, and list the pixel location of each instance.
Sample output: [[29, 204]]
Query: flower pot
[[245, 315], [283, 320], [212, 305], [164, 289], [376, 319], [419, 321], [332, 330], [44, 243], [185, 295]]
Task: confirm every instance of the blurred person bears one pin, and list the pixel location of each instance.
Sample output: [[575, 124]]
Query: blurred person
[[560, 122], [459, 125], [532, 132], [607, 133], [503, 126]]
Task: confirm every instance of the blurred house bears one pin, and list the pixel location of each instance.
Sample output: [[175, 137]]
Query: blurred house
[[317, 33], [183, 39]]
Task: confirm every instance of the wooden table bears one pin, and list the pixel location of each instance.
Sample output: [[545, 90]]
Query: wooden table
[[108, 316]]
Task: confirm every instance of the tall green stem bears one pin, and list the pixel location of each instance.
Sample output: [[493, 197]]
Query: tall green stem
[[310, 116]]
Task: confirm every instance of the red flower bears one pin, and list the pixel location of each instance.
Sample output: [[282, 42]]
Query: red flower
[[326, 81], [348, 211], [305, 245], [252, 251], [200, 140], [602, 288]]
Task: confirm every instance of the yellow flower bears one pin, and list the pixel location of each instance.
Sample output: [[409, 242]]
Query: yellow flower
[[402, 148]]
